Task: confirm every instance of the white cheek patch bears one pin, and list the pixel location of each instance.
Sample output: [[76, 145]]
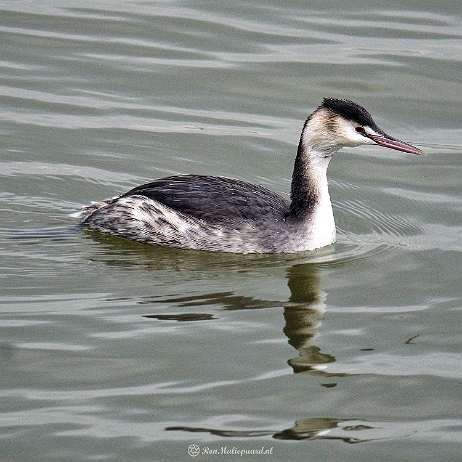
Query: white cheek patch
[[346, 130]]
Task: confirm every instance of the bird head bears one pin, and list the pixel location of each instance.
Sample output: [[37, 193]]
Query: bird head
[[341, 123]]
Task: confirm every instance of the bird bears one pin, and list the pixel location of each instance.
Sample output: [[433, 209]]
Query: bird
[[214, 213]]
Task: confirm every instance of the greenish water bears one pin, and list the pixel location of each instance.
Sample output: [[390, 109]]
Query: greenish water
[[111, 350]]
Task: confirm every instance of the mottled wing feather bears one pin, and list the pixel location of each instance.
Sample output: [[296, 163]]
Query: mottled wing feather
[[214, 199]]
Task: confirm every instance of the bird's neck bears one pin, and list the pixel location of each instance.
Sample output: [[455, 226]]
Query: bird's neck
[[309, 189], [310, 207]]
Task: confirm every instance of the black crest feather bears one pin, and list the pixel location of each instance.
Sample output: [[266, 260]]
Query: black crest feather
[[350, 111]]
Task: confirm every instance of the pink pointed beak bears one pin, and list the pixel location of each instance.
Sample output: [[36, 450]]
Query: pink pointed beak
[[385, 141]]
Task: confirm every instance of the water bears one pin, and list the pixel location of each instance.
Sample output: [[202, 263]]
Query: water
[[112, 350]]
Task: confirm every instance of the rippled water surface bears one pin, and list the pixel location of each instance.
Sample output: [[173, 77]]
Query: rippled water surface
[[112, 350]]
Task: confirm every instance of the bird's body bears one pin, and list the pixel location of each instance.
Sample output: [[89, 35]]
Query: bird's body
[[221, 214], [203, 212]]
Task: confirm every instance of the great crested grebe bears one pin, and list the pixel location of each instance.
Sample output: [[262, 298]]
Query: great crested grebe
[[222, 214]]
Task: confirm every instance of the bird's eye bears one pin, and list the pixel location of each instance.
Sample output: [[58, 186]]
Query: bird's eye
[[360, 130]]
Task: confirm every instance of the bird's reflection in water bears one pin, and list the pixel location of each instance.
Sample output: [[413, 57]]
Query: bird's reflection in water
[[303, 311], [303, 315]]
